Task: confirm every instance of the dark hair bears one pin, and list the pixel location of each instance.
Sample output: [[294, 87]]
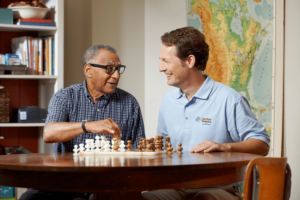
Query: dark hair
[[92, 52], [188, 41]]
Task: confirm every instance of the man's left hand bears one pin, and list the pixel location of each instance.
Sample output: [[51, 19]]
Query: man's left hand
[[209, 146]]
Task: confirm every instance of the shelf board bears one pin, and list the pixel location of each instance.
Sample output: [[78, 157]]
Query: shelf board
[[22, 124], [8, 76], [15, 27]]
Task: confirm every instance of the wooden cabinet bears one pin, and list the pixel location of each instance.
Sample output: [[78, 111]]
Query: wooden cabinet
[[32, 90]]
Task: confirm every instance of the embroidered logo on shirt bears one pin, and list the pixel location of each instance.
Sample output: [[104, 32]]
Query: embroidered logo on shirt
[[206, 121], [198, 119]]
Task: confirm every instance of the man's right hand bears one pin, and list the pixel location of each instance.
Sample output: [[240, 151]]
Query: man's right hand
[[107, 126]]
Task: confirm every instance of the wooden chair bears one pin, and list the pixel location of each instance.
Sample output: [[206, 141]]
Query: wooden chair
[[274, 179]]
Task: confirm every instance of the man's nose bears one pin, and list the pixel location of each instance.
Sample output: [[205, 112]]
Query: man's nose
[[116, 74], [161, 67]]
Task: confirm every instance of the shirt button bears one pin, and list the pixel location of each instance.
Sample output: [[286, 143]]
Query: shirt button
[[98, 109], [186, 118]]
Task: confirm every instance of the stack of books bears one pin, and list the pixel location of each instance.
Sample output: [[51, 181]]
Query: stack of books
[[36, 53], [35, 22]]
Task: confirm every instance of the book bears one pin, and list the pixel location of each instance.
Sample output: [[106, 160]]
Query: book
[[36, 20], [53, 71], [35, 24], [13, 67]]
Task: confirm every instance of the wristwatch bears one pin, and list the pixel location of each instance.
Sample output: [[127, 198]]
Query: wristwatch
[[83, 126]]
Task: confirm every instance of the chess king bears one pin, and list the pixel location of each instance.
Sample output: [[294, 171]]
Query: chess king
[[94, 107], [203, 115]]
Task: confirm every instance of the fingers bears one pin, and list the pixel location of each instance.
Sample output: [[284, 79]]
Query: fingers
[[207, 146], [116, 131]]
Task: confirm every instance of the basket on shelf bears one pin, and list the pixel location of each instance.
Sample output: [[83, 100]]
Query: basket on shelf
[[4, 107]]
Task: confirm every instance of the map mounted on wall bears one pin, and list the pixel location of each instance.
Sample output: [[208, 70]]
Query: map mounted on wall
[[241, 39]]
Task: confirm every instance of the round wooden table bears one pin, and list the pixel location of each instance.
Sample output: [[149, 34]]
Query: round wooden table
[[119, 175]]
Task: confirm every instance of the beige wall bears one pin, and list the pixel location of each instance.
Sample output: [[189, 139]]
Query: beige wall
[[120, 24], [160, 17], [77, 38], [292, 94]]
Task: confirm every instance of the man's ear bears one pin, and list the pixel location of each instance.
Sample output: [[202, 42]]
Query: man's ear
[[190, 61], [88, 70]]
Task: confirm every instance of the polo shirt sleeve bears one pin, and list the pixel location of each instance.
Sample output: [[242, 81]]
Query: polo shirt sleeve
[[243, 125], [58, 108]]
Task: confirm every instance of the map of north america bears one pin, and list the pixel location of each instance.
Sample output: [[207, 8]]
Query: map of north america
[[240, 38]]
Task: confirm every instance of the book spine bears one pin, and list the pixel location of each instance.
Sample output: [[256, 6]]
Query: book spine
[[36, 20], [50, 56], [45, 57], [40, 56], [53, 71], [35, 24], [37, 56], [31, 56], [47, 54]]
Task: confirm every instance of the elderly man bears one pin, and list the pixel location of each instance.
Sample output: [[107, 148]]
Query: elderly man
[[94, 107], [203, 115]]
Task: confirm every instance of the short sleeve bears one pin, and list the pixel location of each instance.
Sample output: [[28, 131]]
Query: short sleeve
[[58, 108], [243, 125]]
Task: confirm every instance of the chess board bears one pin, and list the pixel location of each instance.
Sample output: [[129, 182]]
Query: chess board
[[103, 148]]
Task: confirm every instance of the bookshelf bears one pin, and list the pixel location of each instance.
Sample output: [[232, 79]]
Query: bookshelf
[[32, 90]]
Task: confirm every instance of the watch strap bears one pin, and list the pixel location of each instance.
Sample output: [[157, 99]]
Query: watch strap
[[83, 126]]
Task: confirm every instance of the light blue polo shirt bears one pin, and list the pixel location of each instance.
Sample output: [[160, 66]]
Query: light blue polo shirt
[[216, 113]]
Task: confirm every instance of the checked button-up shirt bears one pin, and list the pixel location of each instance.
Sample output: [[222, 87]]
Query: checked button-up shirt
[[74, 104]]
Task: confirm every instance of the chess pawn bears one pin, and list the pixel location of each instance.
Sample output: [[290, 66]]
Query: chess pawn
[[179, 152], [167, 139], [149, 146], [170, 149], [140, 147], [144, 144], [129, 145], [87, 146], [75, 150], [115, 145], [107, 146], [81, 148], [122, 146]]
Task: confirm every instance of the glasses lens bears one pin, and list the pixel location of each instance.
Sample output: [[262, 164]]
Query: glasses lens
[[110, 69], [121, 69]]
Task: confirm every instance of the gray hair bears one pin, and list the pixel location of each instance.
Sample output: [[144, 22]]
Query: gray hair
[[92, 52]]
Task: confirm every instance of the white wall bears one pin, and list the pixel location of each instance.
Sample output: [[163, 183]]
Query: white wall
[[160, 17], [120, 24], [292, 94]]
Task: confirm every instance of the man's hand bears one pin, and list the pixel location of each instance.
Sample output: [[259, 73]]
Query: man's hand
[[107, 126], [209, 146]]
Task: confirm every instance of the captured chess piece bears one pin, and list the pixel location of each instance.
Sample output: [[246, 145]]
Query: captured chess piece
[[170, 149], [179, 152], [129, 145]]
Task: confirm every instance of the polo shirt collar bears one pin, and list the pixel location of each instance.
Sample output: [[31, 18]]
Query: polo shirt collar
[[203, 92]]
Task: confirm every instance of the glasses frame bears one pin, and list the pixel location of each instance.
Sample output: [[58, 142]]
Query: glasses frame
[[105, 66]]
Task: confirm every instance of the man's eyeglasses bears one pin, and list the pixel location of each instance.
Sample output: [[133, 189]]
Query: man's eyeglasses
[[110, 69]]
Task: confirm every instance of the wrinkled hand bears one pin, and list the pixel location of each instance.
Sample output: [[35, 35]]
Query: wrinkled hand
[[209, 146], [107, 126]]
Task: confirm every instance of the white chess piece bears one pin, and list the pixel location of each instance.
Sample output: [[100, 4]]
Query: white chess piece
[[98, 144], [75, 150], [107, 146], [92, 145], [87, 146], [103, 139], [81, 148], [122, 146]]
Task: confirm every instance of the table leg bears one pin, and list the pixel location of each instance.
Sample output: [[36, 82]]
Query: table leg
[[122, 195]]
